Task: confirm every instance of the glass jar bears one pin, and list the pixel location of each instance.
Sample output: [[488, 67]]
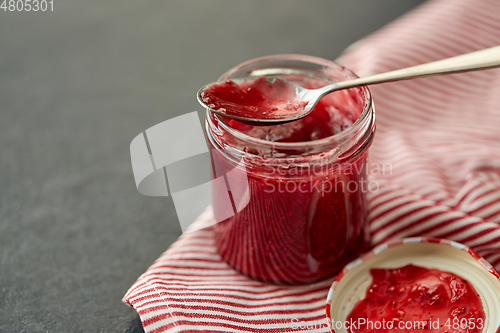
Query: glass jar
[[303, 213]]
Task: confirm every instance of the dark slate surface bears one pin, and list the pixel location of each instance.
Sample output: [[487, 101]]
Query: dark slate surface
[[76, 85]]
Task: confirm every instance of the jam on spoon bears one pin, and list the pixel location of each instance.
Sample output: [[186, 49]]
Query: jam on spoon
[[261, 98], [411, 296]]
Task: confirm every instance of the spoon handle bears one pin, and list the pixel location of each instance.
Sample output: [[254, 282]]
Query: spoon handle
[[483, 59]]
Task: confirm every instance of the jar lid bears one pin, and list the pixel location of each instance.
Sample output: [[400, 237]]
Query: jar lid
[[352, 282]]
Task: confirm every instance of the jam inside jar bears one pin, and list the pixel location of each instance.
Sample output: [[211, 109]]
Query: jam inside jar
[[302, 214]]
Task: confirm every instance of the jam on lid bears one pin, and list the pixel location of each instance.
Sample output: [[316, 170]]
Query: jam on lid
[[411, 296], [441, 285]]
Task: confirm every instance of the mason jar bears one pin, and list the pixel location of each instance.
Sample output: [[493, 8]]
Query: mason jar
[[300, 212]]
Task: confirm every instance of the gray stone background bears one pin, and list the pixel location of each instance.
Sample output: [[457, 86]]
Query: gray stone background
[[76, 86]]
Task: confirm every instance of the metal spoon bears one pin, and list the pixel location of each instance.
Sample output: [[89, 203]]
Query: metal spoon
[[478, 60]]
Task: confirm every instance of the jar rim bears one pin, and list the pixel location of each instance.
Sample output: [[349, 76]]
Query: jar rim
[[367, 107]]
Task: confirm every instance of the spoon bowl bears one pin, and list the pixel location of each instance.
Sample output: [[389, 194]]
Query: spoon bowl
[[270, 101]]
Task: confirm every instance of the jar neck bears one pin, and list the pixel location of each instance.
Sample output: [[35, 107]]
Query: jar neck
[[339, 147]]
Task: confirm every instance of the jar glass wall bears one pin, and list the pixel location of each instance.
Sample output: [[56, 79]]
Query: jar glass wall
[[303, 212]]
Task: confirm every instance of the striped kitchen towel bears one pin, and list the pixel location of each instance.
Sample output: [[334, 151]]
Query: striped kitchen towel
[[441, 138]]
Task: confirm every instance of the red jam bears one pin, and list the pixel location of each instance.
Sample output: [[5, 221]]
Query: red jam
[[331, 115], [307, 212], [258, 98], [323, 122], [412, 296]]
